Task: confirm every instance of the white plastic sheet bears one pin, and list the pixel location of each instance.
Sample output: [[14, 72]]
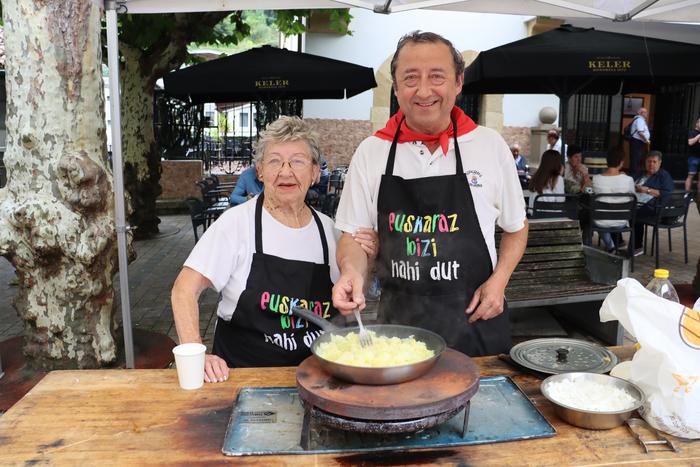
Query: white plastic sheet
[[667, 366]]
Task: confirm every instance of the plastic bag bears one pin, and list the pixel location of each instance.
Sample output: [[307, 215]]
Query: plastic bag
[[667, 366]]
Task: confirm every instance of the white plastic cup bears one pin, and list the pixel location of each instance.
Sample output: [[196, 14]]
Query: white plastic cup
[[189, 360]]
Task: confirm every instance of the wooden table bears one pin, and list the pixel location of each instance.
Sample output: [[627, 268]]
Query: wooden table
[[128, 417]]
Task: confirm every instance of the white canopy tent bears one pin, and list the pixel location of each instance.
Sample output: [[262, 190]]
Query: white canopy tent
[[614, 10]]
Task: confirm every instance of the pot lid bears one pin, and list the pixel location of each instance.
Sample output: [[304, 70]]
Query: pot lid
[[558, 355]]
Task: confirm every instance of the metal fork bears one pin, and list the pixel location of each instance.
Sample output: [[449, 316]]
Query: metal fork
[[365, 337]]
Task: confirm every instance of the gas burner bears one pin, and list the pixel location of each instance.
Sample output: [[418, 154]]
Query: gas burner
[[437, 396], [376, 426]]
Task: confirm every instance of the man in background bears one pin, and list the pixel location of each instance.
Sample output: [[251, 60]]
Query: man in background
[[641, 138], [651, 188], [693, 157], [520, 165]]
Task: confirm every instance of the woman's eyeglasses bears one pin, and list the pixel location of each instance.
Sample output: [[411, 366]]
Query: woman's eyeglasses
[[295, 163]]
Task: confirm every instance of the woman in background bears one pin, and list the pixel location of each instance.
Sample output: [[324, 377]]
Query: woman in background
[[548, 179]]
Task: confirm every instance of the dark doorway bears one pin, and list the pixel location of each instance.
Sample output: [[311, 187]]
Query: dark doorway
[[594, 122]]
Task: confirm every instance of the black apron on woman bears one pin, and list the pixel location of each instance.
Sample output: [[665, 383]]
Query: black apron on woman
[[261, 331], [433, 257]]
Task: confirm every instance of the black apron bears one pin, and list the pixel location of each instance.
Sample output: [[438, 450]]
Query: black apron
[[261, 332], [433, 257]]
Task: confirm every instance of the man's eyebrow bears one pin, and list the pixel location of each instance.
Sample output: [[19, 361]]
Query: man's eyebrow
[[413, 70]]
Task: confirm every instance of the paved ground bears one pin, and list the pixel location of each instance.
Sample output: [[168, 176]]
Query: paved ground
[[152, 274]]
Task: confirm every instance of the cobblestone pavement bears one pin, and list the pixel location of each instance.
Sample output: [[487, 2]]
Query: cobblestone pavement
[[159, 260]]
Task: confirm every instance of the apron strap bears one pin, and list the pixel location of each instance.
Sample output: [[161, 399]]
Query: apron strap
[[458, 155], [392, 151], [258, 228], [258, 223], [321, 230], [459, 168]]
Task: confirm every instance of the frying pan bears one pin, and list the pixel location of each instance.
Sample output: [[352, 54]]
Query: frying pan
[[379, 375]]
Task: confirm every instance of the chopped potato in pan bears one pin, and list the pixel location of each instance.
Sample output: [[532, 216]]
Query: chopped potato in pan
[[384, 351]]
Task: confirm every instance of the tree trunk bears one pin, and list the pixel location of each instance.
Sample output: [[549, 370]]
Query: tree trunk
[[141, 159], [57, 210]]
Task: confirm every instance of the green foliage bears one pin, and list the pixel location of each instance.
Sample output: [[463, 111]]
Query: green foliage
[[290, 22], [261, 31], [145, 31]]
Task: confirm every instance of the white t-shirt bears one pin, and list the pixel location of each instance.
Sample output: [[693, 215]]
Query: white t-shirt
[[639, 127], [557, 189], [487, 161], [224, 253], [612, 184]]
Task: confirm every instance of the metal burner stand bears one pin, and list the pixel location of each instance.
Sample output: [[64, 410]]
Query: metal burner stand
[[375, 426]]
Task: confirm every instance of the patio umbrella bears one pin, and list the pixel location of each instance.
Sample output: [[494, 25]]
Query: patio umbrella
[[570, 60], [269, 73]]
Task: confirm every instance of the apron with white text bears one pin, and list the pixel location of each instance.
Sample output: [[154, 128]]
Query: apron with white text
[[261, 332], [433, 257]]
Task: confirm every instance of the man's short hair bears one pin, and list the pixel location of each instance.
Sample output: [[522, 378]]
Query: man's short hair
[[615, 156], [573, 149], [553, 132], [653, 153], [420, 37]]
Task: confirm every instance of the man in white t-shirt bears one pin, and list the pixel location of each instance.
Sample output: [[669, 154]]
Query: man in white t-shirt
[[434, 184]]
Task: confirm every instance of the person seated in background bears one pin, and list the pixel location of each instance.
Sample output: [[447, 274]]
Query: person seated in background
[[520, 165], [548, 178], [576, 177], [247, 186], [655, 185], [319, 189], [612, 181]]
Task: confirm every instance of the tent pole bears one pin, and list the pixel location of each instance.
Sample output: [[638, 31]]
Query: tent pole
[[563, 114], [119, 213]]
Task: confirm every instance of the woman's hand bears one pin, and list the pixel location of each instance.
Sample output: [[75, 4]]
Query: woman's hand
[[368, 239], [215, 369]]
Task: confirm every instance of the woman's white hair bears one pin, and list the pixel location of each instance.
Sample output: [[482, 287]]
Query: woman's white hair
[[286, 129]]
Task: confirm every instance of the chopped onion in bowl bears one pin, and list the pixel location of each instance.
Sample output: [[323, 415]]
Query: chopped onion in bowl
[[591, 396], [384, 351]]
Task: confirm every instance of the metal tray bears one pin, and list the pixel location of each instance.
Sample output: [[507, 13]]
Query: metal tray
[[268, 421]]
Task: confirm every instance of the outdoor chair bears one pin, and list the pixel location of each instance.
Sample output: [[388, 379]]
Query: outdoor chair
[[613, 207], [218, 184], [199, 215], [561, 205], [337, 180], [211, 193], [330, 204], [670, 214]]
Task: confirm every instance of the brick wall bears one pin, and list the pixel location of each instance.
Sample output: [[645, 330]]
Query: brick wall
[[518, 134], [178, 179], [340, 138]]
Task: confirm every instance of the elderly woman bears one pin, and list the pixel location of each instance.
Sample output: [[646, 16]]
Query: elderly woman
[[265, 256]]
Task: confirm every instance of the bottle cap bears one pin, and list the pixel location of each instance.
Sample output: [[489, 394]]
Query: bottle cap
[[661, 273]]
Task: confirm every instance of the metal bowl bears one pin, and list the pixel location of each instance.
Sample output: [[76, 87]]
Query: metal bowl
[[594, 420]]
